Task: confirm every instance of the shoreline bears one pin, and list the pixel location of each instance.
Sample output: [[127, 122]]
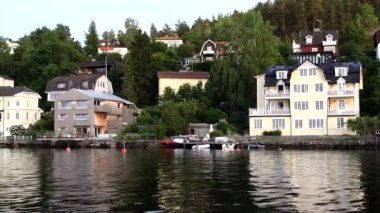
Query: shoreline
[[244, 142]]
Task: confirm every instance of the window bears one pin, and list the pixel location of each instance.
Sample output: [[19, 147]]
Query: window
[[27, 116], [340, 123], [309, 39], [341, 71], [85, 84], [8, 103], [303, 72], [278, 123], [96, 103], [62, 117], [312, 71], [65, 104], [35, 115], [61, 85], [81, 117], [341, 86], [315, 123], [300, 88], [281, 74], [258, 124], [82, 104], [329, 38], [17, 115], [319, 87], [298, 124], [314, 49], [17, 103], [27, 104], [319, 105], [341, 104], [301, 105], [8, 116]]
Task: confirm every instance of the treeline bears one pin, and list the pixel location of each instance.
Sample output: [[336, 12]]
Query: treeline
[[258, 38]]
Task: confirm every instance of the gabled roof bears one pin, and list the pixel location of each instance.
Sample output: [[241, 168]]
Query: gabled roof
[[75, 81], [187, 74], [318, 36], [11, 91], [353, 75], [103, 96]]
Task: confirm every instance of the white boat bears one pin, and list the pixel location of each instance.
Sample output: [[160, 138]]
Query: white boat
[[228, 146], [201, 146]]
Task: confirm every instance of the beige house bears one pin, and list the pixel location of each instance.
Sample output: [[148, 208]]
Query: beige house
[[175, 80], [307, 99], [18, 106], [91, 113], [170, 41]]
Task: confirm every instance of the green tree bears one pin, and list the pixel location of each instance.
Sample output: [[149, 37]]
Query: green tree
[[168, 95], [131, 31], [92, 41], [140, 82], [5, 57], [153, 31], [109, 35]]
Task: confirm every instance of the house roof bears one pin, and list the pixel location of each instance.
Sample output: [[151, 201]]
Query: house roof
[[318, 36], [75, 81], [167, 37], [353, 75], [103, 96], [6, 77], [11, 91], [173, 74]]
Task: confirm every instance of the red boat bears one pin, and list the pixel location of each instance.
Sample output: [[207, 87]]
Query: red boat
[[167, 142]]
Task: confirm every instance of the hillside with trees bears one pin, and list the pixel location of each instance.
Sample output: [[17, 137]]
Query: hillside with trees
[[259, 38]]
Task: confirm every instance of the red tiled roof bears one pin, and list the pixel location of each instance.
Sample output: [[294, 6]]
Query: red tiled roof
[[172, 74], [166, 37]]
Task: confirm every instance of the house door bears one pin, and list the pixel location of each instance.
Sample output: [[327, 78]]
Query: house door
[[341, 105]]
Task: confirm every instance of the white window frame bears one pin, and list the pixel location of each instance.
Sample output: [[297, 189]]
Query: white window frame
[[341, 71], [82, 104], [81, 117], [61, 85], [65, 104], [340, 123], [17, 115], [319, 105], [319, 87], [281, 74], [278, 123], [312, 71], [298, 124], [258, 123], [303, 72], [341, 104], [316, 124]]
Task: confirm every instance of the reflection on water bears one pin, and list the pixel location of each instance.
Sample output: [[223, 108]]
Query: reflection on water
[[176, 180], [307, 181]]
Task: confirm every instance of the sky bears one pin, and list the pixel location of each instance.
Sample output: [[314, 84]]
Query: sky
[[21, 17]]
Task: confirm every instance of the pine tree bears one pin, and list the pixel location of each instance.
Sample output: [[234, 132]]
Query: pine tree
[[140, 81], [92, 41]]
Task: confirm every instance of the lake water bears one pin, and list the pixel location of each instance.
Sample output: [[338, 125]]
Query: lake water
[[176, 180]]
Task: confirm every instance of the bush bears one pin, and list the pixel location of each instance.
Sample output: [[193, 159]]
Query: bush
[[216, 133], [274, 132]]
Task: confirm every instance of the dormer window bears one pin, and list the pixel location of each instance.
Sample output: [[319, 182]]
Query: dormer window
[[329, 37], [309, 39], [85, 84], [341, 71], [281, 74], [61, 85]]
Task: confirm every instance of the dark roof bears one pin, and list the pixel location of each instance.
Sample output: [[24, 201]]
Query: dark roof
[[10, 91], [76, 82], [318, 36], [172, 74], [270, 75], [353, 75]]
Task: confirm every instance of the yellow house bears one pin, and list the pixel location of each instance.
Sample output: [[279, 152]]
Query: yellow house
[[18, 106], [175, 80], [307, 99]]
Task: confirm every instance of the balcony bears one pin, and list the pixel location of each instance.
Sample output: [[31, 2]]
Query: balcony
[[208, 52], [277, 95], [329, 43], [268, 112], [108, 109], [341, 112], [344, 93]]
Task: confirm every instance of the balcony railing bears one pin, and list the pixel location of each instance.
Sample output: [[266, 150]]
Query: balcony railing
[[208, 52], [284, 94], [261, 112], [341, 112], [341, 93], [108, 109]]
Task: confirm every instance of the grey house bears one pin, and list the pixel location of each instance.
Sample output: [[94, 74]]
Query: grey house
[[90, 113]]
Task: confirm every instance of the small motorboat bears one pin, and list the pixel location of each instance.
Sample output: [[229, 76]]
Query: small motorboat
[[201, 146]]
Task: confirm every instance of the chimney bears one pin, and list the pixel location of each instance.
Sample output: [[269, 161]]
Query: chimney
[[317, 25]]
